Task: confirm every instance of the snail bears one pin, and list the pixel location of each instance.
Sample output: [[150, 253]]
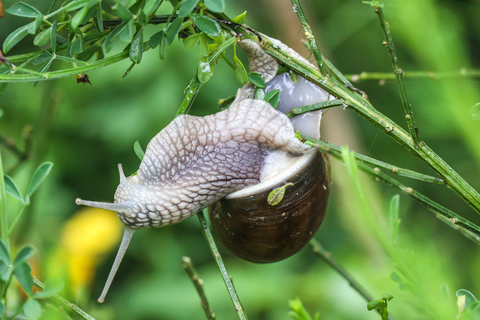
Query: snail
[[238, 155]]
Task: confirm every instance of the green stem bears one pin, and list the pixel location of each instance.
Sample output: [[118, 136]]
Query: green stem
[[218, 258], [63, 302], [463, 73], [297, 8], [17, 218], [315, 106], [407, 107], [455, 221], [198, 283], [3, 205]]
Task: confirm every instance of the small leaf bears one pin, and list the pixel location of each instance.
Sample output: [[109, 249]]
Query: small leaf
[[394, 216], [124, 13], [43, 68], [3, 266], [240, 19], [206, 24], [23, 10], [161, 48], [136, 47], [114, 35], [151, 6], [2, 307], [53, 36], [273, 97], [4, 254], [35, 25], [25, 253], [78, 18], [373, 304], [276, 195], [38, 177], [127, 34], [173, 29], [44, 56], [156, 39], [469, 297], [240, 71], [204, 47], [191, 42], [99, 18], [32, 308], [187, 7], [259, 94], [12, 188], [256, 79], [138, 150], [22, 272], [204, 71], [77, 5], [15, 37], [42, 37], [52, 286], [215, 5]]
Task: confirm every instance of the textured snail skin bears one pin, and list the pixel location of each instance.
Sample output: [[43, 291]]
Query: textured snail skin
[[195, 161]]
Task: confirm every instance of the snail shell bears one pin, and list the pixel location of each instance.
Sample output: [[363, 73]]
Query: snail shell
[[258, 232]]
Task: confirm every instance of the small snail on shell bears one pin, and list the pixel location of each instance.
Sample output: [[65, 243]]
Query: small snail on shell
[[239, 154]]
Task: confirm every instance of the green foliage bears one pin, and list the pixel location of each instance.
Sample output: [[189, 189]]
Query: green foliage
[[276, 195], [299, 312], [380, 305]]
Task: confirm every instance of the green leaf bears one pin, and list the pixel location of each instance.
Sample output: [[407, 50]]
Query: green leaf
[[374, 3], [38, 177], [215, 5], [53, 36], [124, 13], [86, 54], [99, 18], [206, 24], [4, 254], [15, 37], [78, 18], [25, 253], [42, 37], [373, 304], [138, 150], [469, 297], [127, 34], [187, 7], [276, 195], [44, 56], [173, 29], [32, 308], [204, 47], [2, 308], [77, 5], [114, 35], [136, 48], [52, 286], [156, 39], [3, 266], [256, 79], [240, 71], [161, 48], [191, 42], [35, 25], [394, 216], [204, 71], [151, 6], [43, 68], [273, 97], [22, 272], [240, 19], [12, 188], [23, 10]]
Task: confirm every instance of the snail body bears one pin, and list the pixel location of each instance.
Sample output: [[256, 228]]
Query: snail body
[[237, 156]]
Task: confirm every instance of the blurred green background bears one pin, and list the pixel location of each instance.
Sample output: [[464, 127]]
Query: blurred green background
[[86, 130]]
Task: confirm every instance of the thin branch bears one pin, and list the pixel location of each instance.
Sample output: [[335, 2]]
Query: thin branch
[[412, 127], [297, 8], [218, 258], [455, 221], [316, 106], [198, 283], [62, 301], [462, 73]]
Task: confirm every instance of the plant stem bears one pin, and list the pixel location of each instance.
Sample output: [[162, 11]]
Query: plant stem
[[412, 127], [455, 221], [315, 106], [218, 258], [3, 205], [63, 302], [297, 8], [198, 283], [463, 73], [327, 257]]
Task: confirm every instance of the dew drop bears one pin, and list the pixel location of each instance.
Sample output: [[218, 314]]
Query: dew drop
[[475, 112]]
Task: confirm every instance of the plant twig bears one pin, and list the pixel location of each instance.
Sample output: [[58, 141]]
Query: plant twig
[[462, 73], [412, 127], [455, 221], [3, 205], [297, 8], [315, 106], [198, 283], [65, 303], [218, 258]]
